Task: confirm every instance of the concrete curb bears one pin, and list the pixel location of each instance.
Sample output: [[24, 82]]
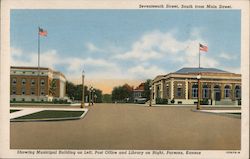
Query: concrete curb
[[216, 113]]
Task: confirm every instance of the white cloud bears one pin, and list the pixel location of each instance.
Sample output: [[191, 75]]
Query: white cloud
[[232, 69], [92, 48], [153, 46], [226, 56], [145, 72], [15, 52], [165, 45], [141, 60], [73, 65]]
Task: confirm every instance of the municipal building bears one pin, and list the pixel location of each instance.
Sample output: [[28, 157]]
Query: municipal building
[[36, 84]]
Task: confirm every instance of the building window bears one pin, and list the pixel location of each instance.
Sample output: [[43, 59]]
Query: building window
[[23, 81], [42, 92], [205, 91], [32, 92], [23, 91], [158, 92], [227, 91], [195, 91], [42, 82], [13, 81], [33, 82], [179, 92], [237, 92], [14, 92]]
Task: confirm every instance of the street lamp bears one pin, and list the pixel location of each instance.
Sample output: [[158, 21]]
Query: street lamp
[[95, 97], [199, 94], [82, 105], [150, 96], [92, 95], [89, 94]]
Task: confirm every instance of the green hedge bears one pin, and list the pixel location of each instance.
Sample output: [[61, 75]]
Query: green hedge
[[45, 102], [161, 101]]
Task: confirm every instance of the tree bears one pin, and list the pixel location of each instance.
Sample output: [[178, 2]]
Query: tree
[[75, 91], [146, 93], [70, 89], [52, 88], [106, 98], [122, 93]]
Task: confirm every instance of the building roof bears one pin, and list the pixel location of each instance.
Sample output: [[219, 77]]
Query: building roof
[[28, 68], [140, 87], [36, 68], [199, 70]]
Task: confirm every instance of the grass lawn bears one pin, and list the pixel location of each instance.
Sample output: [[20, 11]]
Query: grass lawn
[[49, 114], [14, 110]]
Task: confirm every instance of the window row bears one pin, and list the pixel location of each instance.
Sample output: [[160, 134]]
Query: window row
[[205, 91], [24, 82], [24, 92]]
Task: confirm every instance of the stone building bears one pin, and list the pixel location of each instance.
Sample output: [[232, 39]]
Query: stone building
[[218, 87], [24, 84]]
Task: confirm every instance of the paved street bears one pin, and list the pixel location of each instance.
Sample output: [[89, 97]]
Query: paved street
[[120, 126]]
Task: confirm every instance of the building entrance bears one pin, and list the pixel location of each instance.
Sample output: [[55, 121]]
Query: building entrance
[[217, 96], [217, 93]]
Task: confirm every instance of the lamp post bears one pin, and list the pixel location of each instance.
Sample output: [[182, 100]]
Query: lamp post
[[82, 105], [95, 97], [150, 96], [89, 94], [199, 94], [92, 95]]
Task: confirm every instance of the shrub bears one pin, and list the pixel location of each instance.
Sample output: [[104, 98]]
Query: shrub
[[165, 101], [172, 101], [161, 101], [239, 101], [204, 101]]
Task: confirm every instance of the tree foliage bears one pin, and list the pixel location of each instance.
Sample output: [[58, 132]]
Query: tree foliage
[[106, 98], [74, 92], [146, 93], [122, 93]]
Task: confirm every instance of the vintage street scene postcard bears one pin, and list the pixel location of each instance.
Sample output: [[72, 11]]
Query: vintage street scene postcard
[[124, 79]]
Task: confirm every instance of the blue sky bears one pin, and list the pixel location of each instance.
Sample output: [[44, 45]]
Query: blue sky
[[126, 44]]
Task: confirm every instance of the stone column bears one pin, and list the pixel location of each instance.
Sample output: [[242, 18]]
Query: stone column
[[233, 91], [186, 84], [162, 89], [172, 89], [212, 93], [222, 91]]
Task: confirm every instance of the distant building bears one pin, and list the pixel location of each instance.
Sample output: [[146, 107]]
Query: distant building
[[24, 84], [138, 93], [217, 86]]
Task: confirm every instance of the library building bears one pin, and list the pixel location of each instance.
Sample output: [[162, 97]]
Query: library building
[[217, 87]]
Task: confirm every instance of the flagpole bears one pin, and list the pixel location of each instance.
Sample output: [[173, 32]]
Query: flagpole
[[199, 55], [38, 61]]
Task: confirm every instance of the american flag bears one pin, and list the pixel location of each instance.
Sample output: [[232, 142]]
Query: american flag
[[203, 48], [42, 32]]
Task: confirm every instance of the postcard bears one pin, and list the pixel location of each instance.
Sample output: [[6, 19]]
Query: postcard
[[124, 79]]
